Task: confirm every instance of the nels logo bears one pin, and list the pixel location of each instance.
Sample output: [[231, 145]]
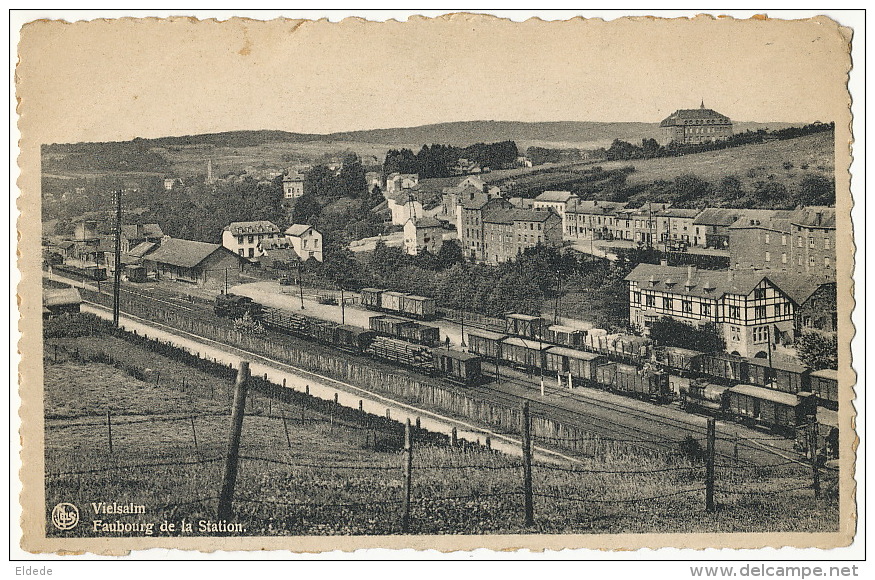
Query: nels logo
[[65, 516]]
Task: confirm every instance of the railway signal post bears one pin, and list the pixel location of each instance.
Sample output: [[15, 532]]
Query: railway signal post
[[230, 475]]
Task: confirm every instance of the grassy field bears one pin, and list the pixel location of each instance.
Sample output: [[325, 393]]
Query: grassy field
[[811, 154], [338, 478]]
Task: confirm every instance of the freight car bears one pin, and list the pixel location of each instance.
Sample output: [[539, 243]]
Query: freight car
[[776, 410], [525, 326], [95, 273], [631, 380], [824, 384], [779, 375], [486, 343], [401, 352], [526, 354], [421, 307], [579, 364], [680, 361], [565, 336], [404, 329], [457, 366]]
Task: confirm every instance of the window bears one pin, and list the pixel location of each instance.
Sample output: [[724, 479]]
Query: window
[[799, 260], [250, 239], [767, 238], [251, 252], [650, 300], [783, 239], [799, 242], [636, 297], [241, 251], [811, 261], [826, 262], [759, 293], [826, 243], [735, 333], [760, 334], [759, 311], [735, 312], [810, 242], [768, 257], [239, 239], [779, 310], [687, 306], [706, 310], [783, 257], [667, 303]]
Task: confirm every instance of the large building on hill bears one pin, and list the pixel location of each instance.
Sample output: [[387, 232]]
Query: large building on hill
[[693, 126]]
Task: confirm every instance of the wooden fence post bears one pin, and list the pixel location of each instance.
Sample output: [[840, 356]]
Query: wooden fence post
[[109, 429], [527, 467], [286, 427], [408, 477], [709, 466], [194, 436], [454, 437], [230, 476], [812, 447]]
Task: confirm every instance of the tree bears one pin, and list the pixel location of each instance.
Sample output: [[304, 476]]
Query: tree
[[352, 181], [818, 350], [306, 210], [816, 190], [450, 254], [670, 332]]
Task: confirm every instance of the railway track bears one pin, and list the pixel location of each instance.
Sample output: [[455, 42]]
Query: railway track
[[583, 408]]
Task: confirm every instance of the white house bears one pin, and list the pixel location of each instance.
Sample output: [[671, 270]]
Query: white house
[[423, 234], [243, 238], [293, 186], [395, 182], [306, 241], [403, 206]]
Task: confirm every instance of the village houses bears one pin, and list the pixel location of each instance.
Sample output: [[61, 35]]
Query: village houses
[[423, 234], [243, 238], [306, 241]]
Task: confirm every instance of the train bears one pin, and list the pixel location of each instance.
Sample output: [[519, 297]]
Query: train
[[390, 302], [95, 273], [777, 395], [400, 342]]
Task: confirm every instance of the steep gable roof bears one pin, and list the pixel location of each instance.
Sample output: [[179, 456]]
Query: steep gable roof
[[297, 230], [257, 227]]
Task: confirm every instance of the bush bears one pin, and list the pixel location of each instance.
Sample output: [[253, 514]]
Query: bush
[[68, 326], [691, 449]]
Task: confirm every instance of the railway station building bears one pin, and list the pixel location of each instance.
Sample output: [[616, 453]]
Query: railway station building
[[749, 309], [197, 263]]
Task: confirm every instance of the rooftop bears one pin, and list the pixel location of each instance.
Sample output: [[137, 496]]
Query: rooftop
[[297, 229], [560, 196], [184, 253], [681, 115], [259, 227]]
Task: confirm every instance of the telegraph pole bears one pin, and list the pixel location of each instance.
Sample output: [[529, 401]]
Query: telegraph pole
[[342, 307], [300, 284], [117, 281]]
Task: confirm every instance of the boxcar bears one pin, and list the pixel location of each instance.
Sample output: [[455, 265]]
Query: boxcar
[[353, 338], [457, 366], [725, 367], [708, 397], [605, 374], [370, 298], [388, 325], [526, 353], [582, 365], [418, 306], [565, 336], [824, 384], [401, 352], [524, 325], [485, 343], [420, 333], [774, 409], [783, 376], [682, 361], [391, 301], [285, 321]]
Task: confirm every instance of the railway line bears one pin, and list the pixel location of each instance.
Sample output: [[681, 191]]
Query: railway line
[[605, 415]]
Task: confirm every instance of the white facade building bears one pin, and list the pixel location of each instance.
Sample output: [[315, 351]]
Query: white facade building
[[243, 238], [306, 241]]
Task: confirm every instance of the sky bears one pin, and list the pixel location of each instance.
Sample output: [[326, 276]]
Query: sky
[[119, 79]]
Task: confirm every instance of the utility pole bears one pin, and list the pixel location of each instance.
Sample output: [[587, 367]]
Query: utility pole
[[527, 466], [709, 465], [117, 281], [462, 344], [300, 285], [226, 280], [342, 307]]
